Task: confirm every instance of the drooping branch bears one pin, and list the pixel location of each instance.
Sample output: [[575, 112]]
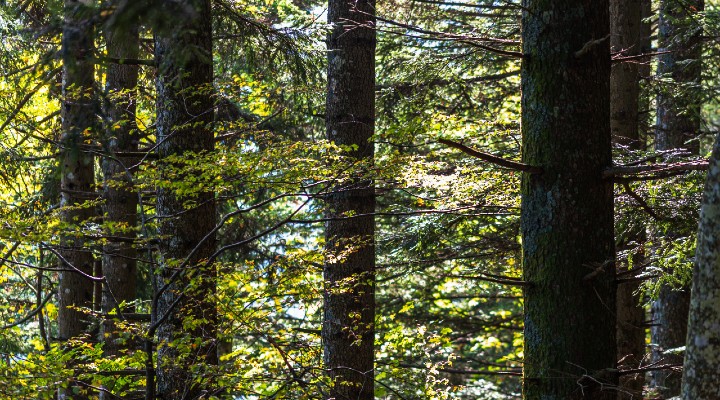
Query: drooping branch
[[479, 42], [30, 315], [643, 204], [493, 159]]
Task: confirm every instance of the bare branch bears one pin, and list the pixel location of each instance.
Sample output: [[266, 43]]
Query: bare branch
[[514, 165], [652, 171]]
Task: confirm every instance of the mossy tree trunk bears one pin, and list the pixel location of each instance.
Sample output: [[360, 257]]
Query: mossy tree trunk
[[349, 301], [183, 50], [627, 40], [567, 210], [677, 127], [77, 185]]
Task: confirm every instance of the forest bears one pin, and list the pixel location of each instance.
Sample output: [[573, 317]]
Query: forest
[[360, 199]]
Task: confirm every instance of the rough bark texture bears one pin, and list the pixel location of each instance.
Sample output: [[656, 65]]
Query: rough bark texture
[[669, 330], [76, 166], [702, 352], [678, 111], [77, 171], [121, 201], [184, 119], [119, 263], [678, 123], [627, 40], [567, 211], [349, 273]]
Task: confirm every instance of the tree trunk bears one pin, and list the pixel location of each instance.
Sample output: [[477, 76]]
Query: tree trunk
[[567, 210], [678, 123], [627, 40], [702, 352], [678, 109], [76, 172], [121, 201], [183, 51], [349, 309]]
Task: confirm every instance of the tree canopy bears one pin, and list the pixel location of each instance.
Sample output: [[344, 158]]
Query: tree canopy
[[401, 199]]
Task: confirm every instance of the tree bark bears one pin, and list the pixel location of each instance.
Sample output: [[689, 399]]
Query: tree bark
[[349, 300], [677, 126], [77, 186], [183, 51], [627, 40], [702, 352], [121, 200], [678, 109], [567, 211]]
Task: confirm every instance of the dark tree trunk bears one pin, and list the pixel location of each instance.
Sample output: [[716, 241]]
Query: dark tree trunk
[[702, 354], [567, 210], [627, 40], [121, 200], [77, 170], [183, 51], [349, 313], [678, 125]]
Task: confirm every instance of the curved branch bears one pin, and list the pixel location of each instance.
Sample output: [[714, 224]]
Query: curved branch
[[493, 159]]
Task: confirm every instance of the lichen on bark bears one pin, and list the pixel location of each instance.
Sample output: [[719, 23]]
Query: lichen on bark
[[702, 352]]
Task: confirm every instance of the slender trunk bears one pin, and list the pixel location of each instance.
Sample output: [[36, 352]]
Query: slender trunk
[[121, 201], [678, 109], [77, 172], [349, 313], [567, 210], [183, 51], [702, 352], [678, 125], [627, 40]]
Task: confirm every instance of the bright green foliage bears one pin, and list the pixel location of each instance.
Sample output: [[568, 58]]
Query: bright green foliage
[[449, 308]]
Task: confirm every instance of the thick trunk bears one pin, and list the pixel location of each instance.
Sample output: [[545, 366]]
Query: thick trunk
[[184, 119], [627, 40], [567, 210], [121, 201], [77, 170], [349, 273], [678, 123], [120, 207], [702, 352]]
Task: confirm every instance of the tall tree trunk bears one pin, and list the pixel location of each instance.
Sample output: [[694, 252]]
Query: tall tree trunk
[[349, 314], [183, 51], [702, 351], [567, 210], [626, 40], [121, 201], [77, 171], [678, 123], [678, 109]]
